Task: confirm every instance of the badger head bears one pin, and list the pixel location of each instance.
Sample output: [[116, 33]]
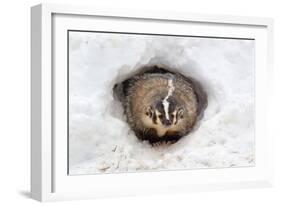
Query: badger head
[[164, 115]]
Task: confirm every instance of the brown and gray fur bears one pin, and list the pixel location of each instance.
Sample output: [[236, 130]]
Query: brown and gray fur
[[142, 97]]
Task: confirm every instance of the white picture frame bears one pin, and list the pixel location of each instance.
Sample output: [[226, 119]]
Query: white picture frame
[[49, 178]]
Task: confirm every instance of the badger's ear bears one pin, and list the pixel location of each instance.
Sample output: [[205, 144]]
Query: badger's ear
[[180, 112], [149, 111]]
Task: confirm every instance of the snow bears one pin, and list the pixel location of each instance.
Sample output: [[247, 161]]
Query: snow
[[100, 140], [165, 103]]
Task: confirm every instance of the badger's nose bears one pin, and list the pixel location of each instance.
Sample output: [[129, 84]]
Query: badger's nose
[[167, 122]]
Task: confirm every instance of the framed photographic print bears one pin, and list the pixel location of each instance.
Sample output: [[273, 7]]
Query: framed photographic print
[[131, 102]]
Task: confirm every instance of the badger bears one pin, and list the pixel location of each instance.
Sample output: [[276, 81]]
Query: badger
[[161, 105]]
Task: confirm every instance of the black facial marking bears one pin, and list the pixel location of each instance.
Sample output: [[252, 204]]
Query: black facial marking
[[149, 112], [160, 107], [172, 116], [177, 117], [172, 105], [154, 118]]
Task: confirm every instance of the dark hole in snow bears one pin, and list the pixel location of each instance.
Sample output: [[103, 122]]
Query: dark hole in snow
[[161, 105]]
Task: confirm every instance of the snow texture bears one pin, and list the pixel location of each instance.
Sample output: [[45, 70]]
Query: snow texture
[[100, 140]]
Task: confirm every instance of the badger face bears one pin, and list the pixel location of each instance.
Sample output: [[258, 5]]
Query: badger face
[[163, 117]]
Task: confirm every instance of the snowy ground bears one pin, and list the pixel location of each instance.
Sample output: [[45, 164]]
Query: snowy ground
[[99, 137]]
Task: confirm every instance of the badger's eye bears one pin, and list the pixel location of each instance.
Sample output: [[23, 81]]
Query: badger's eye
[[160, 116], [172, 116]]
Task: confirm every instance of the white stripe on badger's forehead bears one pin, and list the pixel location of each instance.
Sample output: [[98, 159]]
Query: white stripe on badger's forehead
[[165, 103]]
